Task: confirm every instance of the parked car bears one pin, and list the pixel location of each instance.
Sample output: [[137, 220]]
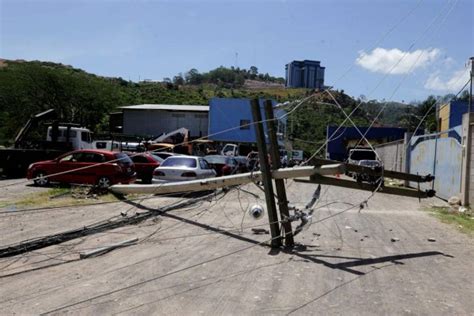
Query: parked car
[[97, 167], [182, 168], [374, 165], [242, 161], [252, 161], [163, 155], [223, 165], [145, 163], [357, 154]]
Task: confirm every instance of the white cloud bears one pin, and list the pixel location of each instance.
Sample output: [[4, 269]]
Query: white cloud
[[395, 61], [457, 80]]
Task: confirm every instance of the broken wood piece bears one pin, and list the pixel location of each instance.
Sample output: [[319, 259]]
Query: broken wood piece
[[102, 250]]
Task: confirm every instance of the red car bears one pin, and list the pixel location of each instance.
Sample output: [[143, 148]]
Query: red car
[[223, 165], [99, 167], [145, 163]]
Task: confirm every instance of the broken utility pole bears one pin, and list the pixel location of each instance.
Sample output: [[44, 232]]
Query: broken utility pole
[[225, 181], [266, 174], [275, 165], [318, 179]]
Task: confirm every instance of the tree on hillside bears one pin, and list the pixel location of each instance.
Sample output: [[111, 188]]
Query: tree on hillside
[[464, 96], [253, 72], [193, 77], [427, 108], [31, 88], [178, 80]]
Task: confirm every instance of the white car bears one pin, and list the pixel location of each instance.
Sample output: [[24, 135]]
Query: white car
[[182, 168]]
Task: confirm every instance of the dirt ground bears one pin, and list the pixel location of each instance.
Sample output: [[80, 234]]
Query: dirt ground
[[206, 259]]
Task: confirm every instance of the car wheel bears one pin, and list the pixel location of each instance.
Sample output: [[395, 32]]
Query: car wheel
[[41, 179], [104, 182]]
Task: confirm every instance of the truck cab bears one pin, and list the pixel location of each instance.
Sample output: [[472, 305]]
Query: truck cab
[[78, 137], [358, 154], [236, 149]]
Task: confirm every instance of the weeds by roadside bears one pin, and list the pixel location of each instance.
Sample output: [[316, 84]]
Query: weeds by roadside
[[60, 196], [463, 221]]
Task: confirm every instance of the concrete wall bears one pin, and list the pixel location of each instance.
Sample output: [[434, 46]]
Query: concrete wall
[[157, 122], [467, 178], [392, 155], [444, 117]]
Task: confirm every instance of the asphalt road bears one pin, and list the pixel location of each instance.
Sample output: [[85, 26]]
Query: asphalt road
[[207, 260]]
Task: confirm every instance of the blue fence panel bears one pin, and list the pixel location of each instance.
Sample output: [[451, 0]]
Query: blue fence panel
[[448, 167], [441, 157]]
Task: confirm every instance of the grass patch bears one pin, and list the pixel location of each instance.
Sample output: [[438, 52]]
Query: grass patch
[[59, 196], [464, 222]]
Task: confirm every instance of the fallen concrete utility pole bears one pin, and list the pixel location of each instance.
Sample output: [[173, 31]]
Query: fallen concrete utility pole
[[376, 171], [368, 187], [214, 183]]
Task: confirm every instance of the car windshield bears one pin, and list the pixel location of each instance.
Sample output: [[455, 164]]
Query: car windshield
[[179, 162], [157, 158], [123, 158], [216, 159], [362, 155]]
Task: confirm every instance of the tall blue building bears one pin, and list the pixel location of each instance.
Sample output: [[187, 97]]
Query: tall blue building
[[305, 74]]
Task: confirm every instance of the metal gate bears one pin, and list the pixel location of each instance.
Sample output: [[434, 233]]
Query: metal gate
[[438, 154]]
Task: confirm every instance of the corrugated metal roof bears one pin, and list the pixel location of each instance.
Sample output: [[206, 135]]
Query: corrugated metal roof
[[168, 107]]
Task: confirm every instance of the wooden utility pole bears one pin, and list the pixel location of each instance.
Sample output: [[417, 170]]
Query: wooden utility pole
[[266, 174], [279, 183]]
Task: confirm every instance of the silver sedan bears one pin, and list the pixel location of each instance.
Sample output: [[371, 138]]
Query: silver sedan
[[182, 168]]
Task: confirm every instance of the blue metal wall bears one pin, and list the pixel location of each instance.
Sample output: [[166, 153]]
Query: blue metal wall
[[456, 111], [225, 115], [336, 148]]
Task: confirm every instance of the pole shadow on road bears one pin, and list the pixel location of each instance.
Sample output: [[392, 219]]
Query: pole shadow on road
[[297, 251]]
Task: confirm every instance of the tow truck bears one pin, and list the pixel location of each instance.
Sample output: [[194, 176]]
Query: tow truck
[[60, 138]]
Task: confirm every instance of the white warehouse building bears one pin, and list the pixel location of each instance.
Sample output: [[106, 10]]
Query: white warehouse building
[[156, 119]]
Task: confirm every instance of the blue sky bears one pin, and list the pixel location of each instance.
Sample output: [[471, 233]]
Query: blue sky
[[392, 49]]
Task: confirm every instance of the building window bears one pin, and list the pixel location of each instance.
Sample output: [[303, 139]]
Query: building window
[[244, 124], [178, 115]]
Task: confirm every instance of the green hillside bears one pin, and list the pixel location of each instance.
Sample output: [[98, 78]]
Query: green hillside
[[28, 88]]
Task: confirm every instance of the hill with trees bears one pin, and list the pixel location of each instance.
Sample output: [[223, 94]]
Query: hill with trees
[[27, 88], [224, 77]]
